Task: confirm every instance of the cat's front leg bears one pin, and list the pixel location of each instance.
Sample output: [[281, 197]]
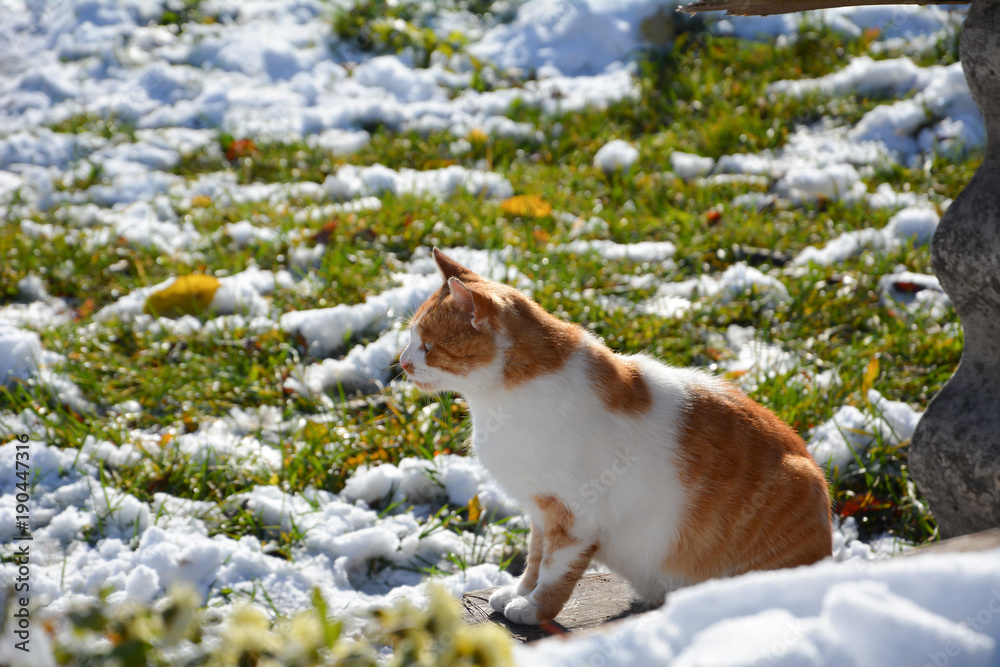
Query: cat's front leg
[[529, 578], [558, 573]]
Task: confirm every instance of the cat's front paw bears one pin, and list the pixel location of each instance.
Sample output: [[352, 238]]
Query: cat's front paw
[[521, 610], [502, 597]]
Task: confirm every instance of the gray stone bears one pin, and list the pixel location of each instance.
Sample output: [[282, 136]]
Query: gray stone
[[955, 453]]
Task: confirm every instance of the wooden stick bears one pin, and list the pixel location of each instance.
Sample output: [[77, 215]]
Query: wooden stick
[[767, 7]]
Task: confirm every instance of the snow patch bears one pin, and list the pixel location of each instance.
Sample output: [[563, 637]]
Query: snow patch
[[689, 166], [911, 226], [850, 431], [616, 156]]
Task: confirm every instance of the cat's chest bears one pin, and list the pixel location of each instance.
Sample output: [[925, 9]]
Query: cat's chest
[[516, 445], [501, 432], [543, 441]]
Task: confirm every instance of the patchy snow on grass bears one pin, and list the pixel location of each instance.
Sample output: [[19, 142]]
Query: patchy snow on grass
[[904, 23], [37, 308], [340, 142], [689, 166], [571, 38], [21, 354], [139, 554], [144, 225], [241, 293], [915, 292], [851, 431], [833, 182], [23, 358], [863, 76], [327, 331], [644, 251], [740, 278], [941, 96], [911, 226], [820, 162], [364, 368], [244, 233], [755, 361], [956, 124], [674, 299], [352, 182]]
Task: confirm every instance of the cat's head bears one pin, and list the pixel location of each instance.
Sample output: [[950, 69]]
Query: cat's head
[[454, 342], [475, 335]]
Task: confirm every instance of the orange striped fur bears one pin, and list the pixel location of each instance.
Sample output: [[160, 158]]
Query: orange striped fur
[[558, 524], [549, 599], [536, 550], [750, 481], [618, 382]]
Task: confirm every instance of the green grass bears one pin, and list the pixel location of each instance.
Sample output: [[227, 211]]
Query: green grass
[[833, 314]]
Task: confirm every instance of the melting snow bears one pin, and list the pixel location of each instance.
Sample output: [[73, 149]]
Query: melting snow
[[916, 292], [851, 431], [645, 251], [351, 182], [340, 533], [616, 156], [914, 225], [689, 166], [675, 298]]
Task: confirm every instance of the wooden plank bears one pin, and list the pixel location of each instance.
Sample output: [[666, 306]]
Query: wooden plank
[[597, 599], [984, 541], [767, 7]]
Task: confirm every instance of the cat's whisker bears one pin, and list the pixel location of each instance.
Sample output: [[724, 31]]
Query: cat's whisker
[[407, 317], [398, 375]]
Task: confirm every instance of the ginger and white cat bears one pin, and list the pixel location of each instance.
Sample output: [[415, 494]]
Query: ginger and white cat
[[668, 476]]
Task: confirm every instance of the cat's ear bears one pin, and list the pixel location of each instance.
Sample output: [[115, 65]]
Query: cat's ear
[[477, 305], [452, 269]]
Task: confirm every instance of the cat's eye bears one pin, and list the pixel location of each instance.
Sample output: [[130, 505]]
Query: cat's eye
[[426, 347]]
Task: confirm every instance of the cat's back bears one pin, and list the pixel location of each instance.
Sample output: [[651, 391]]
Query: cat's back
[[718, 427]]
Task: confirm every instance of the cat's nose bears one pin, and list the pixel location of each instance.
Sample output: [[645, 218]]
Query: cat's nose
[[405, 360]]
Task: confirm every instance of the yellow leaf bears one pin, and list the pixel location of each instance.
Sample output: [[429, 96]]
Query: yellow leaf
[[315, 432], [188, 295], [477, 137], [540, 235], [201, 201], [274, 481], [475, 509], [527, 205], [871, 374]]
